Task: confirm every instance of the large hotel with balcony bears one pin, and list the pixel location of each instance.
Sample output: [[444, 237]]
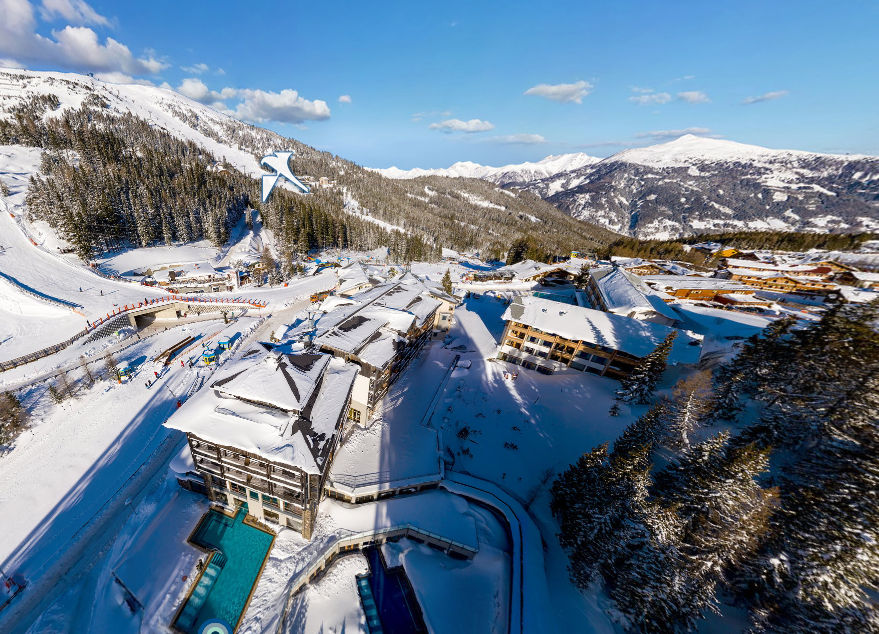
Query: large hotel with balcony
[[549, 336], [266, 431]]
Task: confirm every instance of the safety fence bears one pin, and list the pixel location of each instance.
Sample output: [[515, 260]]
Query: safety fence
[[112, 321], [43, 298], [358, 541]]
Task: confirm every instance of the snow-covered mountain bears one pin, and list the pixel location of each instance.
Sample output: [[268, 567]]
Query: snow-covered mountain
[[694, 184], [506, 175], [463, 214]]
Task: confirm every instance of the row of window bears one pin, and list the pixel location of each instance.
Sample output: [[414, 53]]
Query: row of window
[[267, 500]]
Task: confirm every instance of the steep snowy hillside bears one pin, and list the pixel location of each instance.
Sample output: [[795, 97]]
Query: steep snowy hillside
[[508, 174], [694, 184], [464, 214]]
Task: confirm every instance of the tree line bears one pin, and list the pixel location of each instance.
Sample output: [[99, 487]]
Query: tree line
[[775, 511]]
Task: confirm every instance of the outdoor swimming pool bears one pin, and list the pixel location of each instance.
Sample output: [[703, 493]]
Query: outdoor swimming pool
[[223, 591], [389, 594]]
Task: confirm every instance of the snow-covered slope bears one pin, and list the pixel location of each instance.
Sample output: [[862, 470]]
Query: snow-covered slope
[[166, 109], [515, 173], [694, 184]]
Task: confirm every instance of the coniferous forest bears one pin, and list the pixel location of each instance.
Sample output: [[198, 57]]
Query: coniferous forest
[[110, 179], [759, 490]]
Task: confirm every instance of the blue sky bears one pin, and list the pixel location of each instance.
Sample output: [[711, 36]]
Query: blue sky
[[429, 84]]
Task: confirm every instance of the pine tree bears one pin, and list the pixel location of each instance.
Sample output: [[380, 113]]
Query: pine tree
[[447, 283], [641, 384], [87, 373], [13, 416], [56, 394], [581, 280], [645, 433], [689, 407], [110, 366], [615, 408], [756, 364]]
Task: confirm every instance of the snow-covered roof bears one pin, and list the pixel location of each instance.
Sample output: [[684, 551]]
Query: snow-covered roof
[[285, 381], [739, 298], [865, 276], [527, 269], [638, 338], [188, 271], [768, 266], [693, 282], [357, 322], [301, 439], [624, 292]]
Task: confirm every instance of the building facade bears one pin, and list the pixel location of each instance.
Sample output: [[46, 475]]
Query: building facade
[[549, 336]]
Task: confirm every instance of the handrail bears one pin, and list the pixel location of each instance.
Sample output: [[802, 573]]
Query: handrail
[[329, 552]]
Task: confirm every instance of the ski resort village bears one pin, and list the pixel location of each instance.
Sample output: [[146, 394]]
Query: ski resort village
[[421, 404]]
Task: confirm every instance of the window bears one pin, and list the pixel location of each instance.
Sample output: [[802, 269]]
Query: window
[[544, 370], [541, 354], [221, 497], [237, 488], [528, 349], [354, 414], [268, 499], [514, 344], [545, 344], [578, 366], [599, 360], [271, 517], [533, 339], [290, 508], [254, 495], [593, 370]]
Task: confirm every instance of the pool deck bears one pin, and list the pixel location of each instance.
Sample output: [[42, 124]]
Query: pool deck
[[232, 515]]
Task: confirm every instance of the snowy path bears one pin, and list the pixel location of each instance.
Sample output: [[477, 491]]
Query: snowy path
[[64, 486]]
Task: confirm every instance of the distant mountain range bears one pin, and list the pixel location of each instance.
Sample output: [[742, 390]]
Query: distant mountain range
[[521, 173], [693, 184]]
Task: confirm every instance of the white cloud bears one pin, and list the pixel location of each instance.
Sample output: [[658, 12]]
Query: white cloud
[[665, 135], [564, 93], [456, 125], [648, 98], [284, 107], [115, 77], [196, 89], [693, 96], [220, 72], [10, 63], [196, 69], [256, 106], [73, 47], [74, 11], [642, 91], [345, 99], [769, 96], [517, 139]]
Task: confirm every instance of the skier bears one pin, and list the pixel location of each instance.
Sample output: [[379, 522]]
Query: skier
[[156, 373], [181, 364], [102, 292], [80, 289]]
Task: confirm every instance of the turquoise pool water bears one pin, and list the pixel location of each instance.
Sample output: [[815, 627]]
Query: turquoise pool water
[[223, 590]]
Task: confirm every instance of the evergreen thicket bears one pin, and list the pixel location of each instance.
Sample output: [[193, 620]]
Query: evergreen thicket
[[779, 515], [13, 416]]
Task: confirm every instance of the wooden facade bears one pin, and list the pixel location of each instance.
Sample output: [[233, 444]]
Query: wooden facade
[[546, 352]]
